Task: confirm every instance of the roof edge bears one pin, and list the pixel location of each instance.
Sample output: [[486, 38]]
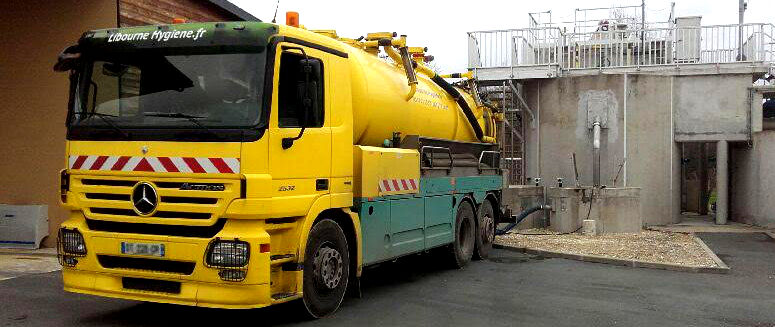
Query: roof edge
[[235, 10]]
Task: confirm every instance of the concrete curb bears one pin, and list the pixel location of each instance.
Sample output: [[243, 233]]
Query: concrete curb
[[46, 252], [618, 262], [710, 253], [771, 235]]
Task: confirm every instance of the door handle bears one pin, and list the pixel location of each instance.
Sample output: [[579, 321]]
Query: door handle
[[321, 184]]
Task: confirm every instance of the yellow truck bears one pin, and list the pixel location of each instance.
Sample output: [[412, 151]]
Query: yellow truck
[[244, 164]]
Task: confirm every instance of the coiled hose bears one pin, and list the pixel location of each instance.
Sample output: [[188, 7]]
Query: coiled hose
[[521, 216]]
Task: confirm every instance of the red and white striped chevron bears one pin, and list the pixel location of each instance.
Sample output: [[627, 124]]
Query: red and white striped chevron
[[156, 164], [398, 185]]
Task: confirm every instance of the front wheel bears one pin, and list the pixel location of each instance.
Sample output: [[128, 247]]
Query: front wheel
[[326, 269]]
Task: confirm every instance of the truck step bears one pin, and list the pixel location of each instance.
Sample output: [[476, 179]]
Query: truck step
[[280, 296], [279, 259]]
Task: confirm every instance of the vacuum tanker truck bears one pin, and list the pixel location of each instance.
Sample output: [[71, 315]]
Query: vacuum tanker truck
[[245, 164]]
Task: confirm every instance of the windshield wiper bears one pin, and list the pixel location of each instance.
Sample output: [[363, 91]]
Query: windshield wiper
[[104, 118], [191, 118]]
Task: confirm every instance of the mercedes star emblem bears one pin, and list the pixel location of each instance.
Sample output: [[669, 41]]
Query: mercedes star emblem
[[145, 198]]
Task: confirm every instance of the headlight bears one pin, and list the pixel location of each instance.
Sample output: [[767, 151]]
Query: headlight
[[223, 253], [70, 245], [70, 242]]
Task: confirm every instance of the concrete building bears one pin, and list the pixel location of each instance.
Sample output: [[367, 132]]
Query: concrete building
[[681, 116], [34, 97]]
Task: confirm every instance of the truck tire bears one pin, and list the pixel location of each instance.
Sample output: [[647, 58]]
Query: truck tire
[[326, 269], [462, 248], [485, 230]]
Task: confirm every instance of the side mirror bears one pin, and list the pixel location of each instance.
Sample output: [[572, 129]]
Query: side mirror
[[68, 59]]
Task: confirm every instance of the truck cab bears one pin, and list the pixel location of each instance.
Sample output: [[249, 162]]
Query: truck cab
[[198, 157]]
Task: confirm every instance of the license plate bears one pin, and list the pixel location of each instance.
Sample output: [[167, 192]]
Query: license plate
[[147, 249]]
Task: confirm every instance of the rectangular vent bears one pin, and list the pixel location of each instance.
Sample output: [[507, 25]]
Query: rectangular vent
[[156, 229], [107, 196], [166, 266], [150, 285], [181, 199], [113, 211], [186, 215], [192, 186], [108, 182]]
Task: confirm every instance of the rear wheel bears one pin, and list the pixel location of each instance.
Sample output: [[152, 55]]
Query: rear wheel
[[462, 248], [326, 269], [485, 230]]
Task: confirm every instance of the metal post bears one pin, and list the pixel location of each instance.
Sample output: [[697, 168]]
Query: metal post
[[596, 154], [741, 13], [722, 182]]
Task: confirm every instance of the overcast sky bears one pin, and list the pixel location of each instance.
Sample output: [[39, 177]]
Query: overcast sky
[[442, 25]]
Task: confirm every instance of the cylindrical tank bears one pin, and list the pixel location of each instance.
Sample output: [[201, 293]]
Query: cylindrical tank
[[379, 92]]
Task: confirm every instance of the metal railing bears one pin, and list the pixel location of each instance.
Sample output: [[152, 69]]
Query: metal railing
[[514, 47], [622, 47]]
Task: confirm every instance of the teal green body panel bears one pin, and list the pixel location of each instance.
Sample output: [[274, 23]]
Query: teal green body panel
[[407, 225], [375, 222], [439, 215], [397, 225]]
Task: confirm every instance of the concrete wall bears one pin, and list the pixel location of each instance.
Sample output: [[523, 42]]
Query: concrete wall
[[752, 186], [712, 107], [34, 97], [653, 161]]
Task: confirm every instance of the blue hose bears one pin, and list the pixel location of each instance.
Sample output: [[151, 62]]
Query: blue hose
[[521, 216]]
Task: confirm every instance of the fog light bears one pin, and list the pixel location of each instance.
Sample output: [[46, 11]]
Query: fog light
[[68, 261], [232, 275], [227, 254]]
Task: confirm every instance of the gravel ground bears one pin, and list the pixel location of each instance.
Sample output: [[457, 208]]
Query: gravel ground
[[651, 246]]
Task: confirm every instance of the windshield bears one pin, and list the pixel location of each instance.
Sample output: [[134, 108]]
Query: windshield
[[140, 92]]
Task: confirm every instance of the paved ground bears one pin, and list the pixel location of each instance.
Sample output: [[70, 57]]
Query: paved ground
[[507, 290], [18, 262], [706, 224]]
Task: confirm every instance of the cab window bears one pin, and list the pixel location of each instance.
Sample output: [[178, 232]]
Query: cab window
[[291, 91]]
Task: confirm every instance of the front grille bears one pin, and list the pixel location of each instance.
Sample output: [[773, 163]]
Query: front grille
[[156, 229], [156, 265], [110, 197], [150, 285]]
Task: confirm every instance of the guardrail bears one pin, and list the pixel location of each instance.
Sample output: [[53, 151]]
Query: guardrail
[[622, 48]]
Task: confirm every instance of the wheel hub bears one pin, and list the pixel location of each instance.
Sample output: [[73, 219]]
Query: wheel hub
[[328, 266], [488, 228]]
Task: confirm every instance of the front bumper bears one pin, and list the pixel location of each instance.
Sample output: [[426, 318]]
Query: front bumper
[[193, 293], [201, 286]]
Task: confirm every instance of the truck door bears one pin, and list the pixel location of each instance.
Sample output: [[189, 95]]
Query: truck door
[[299, 128]]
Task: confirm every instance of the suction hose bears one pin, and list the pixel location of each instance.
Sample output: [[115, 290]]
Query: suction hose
[[463, 105], [470, 116], [520, 217]]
